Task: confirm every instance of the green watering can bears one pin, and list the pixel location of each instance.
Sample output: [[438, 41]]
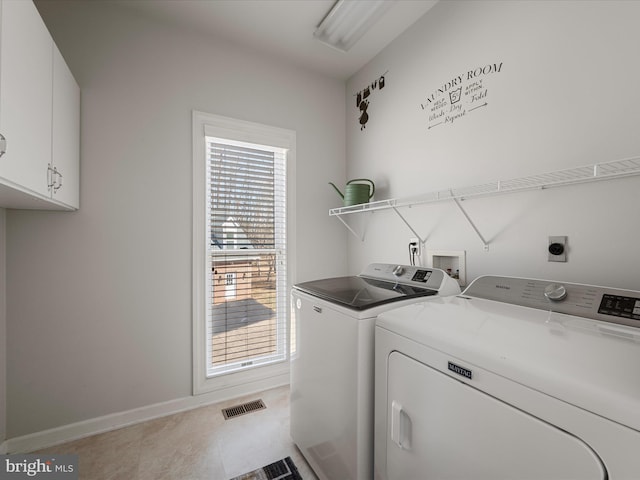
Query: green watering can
[[356, 193]]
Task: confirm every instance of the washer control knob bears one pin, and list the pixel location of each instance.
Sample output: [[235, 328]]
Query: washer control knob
[[555, 292], [398, 270]]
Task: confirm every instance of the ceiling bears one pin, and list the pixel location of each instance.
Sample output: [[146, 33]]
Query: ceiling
[[284, 28]]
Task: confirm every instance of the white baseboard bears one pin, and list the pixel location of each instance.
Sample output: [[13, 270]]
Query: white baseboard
[[66, 433]]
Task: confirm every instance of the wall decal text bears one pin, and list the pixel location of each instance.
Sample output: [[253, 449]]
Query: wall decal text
[[459, 96]]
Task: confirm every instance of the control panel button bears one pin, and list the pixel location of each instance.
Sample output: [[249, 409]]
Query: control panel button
[[555, 292], [398, 270]]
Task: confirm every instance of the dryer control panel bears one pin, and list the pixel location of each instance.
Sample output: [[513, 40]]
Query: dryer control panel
[[589, 301]]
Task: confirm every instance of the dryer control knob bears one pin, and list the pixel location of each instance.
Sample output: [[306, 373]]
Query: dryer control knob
[[555, 292], [398, 270]]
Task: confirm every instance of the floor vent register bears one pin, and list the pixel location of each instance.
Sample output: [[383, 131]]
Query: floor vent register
[[243, 409]]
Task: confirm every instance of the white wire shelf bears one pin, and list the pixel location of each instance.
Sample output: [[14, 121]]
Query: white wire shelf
[[571, 176]]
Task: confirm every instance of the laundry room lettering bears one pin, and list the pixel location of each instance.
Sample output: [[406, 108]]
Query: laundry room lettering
[[459, 96]]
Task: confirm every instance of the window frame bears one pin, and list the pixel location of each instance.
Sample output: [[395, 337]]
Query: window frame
[[206, 124]]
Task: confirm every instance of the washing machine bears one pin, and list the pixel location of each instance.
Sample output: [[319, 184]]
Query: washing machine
[[331, 396], [513, 379]]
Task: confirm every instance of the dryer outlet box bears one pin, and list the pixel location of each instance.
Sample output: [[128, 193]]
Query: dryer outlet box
[[557, 249]]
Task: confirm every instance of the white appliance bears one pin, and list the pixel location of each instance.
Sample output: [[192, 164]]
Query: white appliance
[[513, 379], [332, 364]]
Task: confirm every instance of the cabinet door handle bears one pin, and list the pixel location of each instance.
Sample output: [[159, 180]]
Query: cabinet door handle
[[57, 184], [3, 145], [50, 180]]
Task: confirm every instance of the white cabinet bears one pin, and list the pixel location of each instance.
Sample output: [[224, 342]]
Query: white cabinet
[[25, 95], [66, 134], [39, 114]]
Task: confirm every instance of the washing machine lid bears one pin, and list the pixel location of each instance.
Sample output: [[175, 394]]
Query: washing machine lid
[[361, 293], [581, 360]]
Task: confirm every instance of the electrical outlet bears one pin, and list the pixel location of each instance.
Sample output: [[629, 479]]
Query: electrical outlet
[[414, 246]]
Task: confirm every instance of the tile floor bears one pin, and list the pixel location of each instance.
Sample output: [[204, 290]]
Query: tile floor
[[195, 445]]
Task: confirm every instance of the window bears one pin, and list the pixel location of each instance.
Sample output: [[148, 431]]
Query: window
[[246, 225], [241, 304]]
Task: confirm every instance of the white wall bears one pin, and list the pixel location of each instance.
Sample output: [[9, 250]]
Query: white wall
[[565, 96], [99, 310]]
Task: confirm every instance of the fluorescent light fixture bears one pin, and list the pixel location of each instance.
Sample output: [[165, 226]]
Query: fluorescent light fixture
[[348, 21]]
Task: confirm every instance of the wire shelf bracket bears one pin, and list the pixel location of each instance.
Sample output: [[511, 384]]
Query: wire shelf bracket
[[356, 234], [473, 225]]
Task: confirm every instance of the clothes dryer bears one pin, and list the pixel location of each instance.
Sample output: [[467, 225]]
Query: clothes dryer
[[513, 379]]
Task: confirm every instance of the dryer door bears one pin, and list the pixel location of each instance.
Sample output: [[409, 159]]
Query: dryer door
[[441, 428]]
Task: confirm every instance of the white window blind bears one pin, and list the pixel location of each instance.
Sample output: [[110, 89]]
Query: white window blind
[[246, 252]]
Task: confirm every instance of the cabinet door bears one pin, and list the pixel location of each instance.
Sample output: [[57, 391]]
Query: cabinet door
[[25, 96], [66, 132], [440, 428]]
